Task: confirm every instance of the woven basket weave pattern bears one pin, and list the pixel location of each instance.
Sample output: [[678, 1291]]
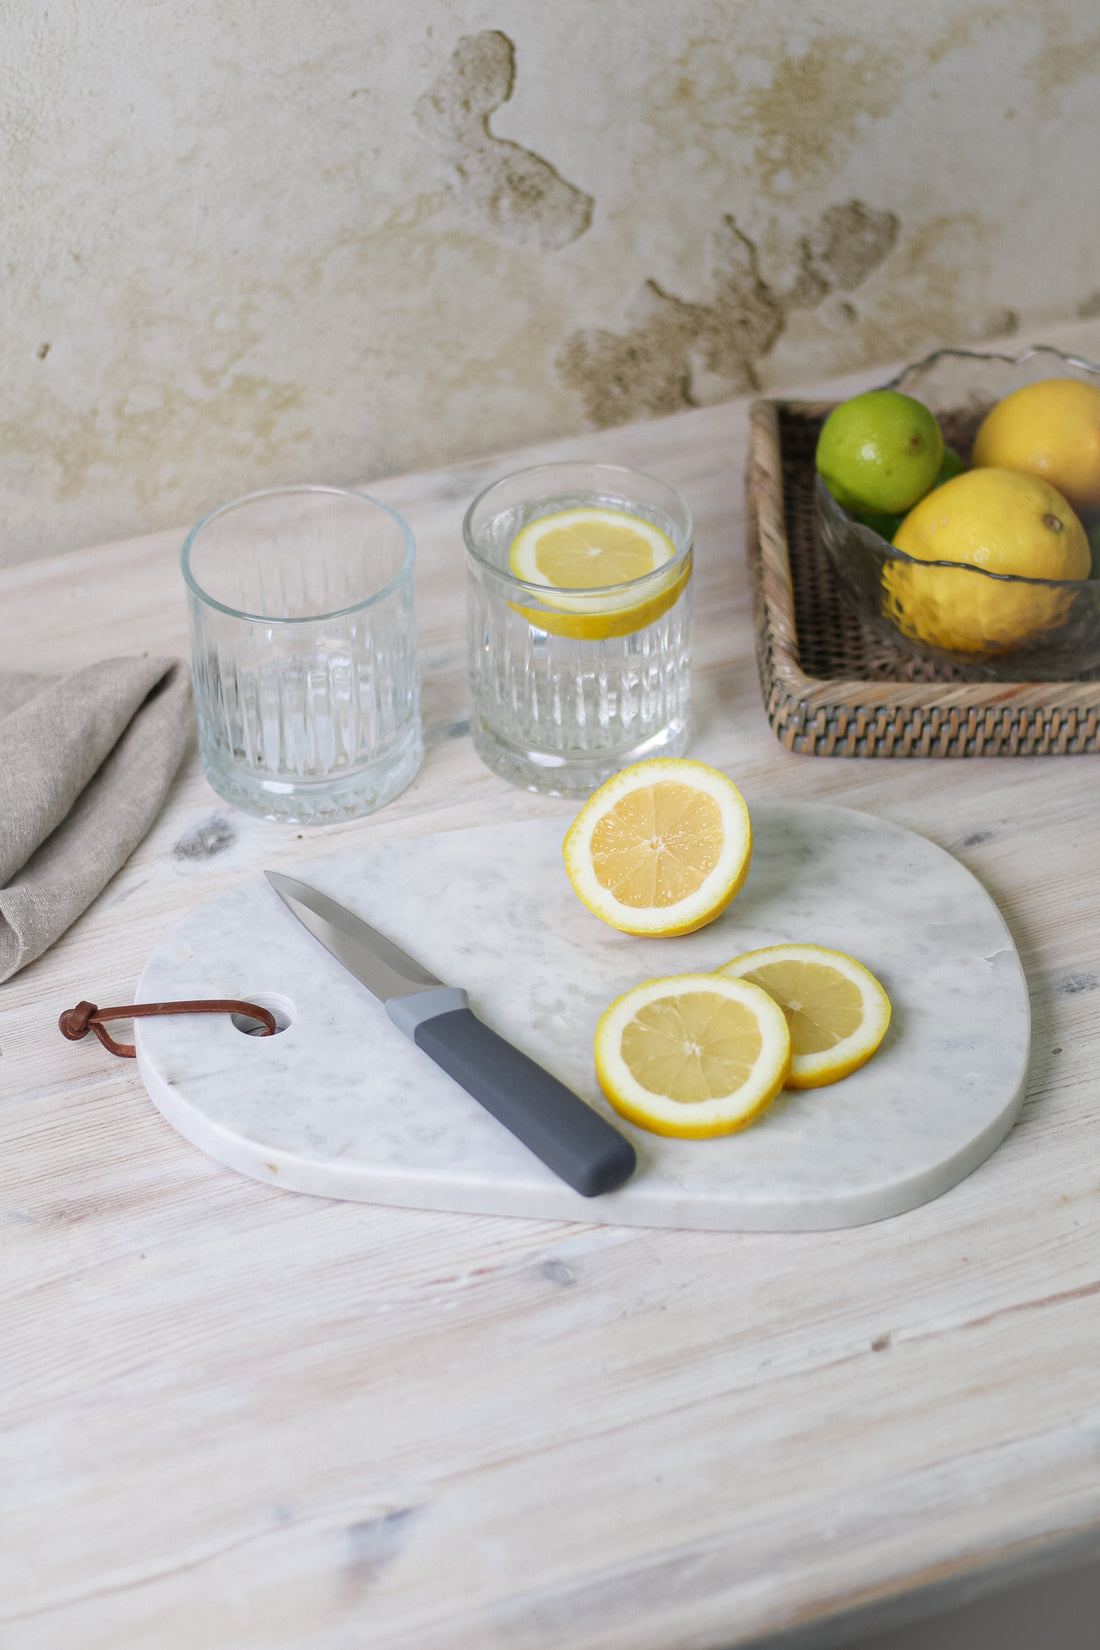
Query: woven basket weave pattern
[[833, 689]]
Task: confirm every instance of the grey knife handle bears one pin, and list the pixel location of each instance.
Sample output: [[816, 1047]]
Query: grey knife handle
[[566, 1134]]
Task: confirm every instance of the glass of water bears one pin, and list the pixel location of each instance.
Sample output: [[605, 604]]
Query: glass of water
[[303, 652], [570, 683]]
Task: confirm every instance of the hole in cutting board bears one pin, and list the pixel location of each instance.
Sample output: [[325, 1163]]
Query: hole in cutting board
[[280, 1008]]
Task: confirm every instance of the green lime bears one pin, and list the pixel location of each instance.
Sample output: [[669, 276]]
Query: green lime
[[879, 452], [886, 523]]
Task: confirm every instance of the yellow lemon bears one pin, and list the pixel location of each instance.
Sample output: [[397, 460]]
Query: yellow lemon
[[694, 1055], [1001, 521], [1051, 430], [837, 1011], [660, 848], [587, 565]]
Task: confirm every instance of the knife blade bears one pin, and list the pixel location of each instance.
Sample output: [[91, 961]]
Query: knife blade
[[579, 1145]]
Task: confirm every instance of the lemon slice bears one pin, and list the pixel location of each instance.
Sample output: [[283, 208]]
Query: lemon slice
[[695, 1055], [837, 1011], [660, 848], [580, 558]]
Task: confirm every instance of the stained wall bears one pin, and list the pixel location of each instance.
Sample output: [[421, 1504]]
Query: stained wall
[[259, 242]]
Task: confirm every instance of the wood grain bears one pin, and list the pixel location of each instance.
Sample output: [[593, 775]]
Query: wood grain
[[232, 1417]]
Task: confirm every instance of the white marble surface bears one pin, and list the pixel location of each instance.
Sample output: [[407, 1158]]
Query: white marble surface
[[341, 1104]]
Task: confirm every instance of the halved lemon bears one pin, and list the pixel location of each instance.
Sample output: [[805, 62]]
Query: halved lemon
[[579, 559], [695, 1055], [660, 848], [837, 1011]]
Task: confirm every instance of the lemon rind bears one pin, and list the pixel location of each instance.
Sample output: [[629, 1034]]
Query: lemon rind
[[714, 893], [1070, 462], [703, 1119], [604, 624], [810, 1071]]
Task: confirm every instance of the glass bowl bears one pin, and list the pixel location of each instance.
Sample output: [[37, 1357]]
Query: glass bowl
[[906, 602]]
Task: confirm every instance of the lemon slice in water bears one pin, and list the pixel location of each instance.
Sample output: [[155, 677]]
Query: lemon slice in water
[[581, 559]]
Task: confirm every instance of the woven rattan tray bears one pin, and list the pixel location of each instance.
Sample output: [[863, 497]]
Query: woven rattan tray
[[830, 687]]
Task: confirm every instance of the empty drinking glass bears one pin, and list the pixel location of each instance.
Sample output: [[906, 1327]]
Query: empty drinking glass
[[303, 650]]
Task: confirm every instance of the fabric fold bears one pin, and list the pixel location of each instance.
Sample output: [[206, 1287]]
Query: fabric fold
[[86, 760]]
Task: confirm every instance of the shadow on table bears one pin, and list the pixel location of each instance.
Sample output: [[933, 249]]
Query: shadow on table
[[1053, 1612]]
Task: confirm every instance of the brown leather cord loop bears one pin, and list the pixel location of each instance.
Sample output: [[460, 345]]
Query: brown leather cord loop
[[77, 1022]]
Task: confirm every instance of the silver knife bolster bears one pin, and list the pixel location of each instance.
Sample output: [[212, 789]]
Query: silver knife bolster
[[409, 1012]]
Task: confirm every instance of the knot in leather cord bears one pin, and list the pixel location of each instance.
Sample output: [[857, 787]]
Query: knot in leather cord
[[76, 1022]]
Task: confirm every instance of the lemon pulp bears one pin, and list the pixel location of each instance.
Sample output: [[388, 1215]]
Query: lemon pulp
[[660, 848], [694, 1046], [836, 1010], [657, 845], [693, 1055], [823, 1008]]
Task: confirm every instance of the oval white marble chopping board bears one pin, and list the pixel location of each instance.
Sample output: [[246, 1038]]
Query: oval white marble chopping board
[[340, 1104]]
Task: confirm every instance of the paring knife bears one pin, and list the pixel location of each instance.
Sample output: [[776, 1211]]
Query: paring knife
[[553, 1122]]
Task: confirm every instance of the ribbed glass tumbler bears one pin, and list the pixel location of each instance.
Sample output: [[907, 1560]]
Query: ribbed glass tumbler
[[569, 685], [303, 652]]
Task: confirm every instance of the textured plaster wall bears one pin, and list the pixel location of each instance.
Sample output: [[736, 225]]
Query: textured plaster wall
[[260, 241]]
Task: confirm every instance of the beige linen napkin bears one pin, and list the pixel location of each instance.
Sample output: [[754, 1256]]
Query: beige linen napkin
[[85, 763]]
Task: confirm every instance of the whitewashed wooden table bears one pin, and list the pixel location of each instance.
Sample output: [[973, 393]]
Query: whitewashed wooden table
[[235, 1418]]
